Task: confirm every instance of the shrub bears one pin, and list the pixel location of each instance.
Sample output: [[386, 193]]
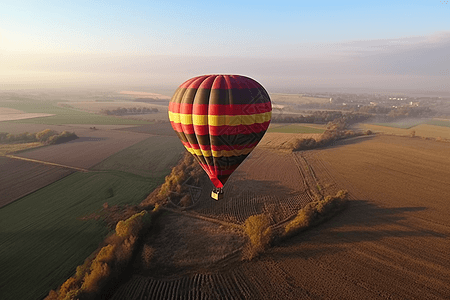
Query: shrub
[[258, 230], [132, 225], [44, 135], [316, 212], [69, 285]]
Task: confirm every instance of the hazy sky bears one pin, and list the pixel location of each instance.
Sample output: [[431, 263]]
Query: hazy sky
[[281, 44]]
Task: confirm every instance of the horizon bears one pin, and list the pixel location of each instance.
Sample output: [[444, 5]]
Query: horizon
[[384, 46]]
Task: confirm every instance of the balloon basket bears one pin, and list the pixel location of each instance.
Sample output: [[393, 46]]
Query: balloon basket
[[217, 194]]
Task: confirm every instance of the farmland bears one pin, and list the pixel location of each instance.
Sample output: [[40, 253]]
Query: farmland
[[25, 177], [421, 130], [296, 128], [62, 115], [44, 237], [391, 242], [92, 147], [149, 157], [44, 229]]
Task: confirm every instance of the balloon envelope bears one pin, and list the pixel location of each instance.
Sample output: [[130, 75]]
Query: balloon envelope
[[220, 119]]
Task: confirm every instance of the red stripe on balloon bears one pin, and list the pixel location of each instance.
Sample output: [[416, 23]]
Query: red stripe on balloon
[[220, 130], [219, 148], [221, 109]]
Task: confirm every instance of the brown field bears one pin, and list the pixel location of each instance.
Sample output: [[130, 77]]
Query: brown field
[[19, 178], [280, 141], [392, 242], [89, 149]]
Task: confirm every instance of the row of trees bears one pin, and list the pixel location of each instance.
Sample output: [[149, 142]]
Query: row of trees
[[46, 136], [336, 130], [121, 111], [99, 274], [321, 117]]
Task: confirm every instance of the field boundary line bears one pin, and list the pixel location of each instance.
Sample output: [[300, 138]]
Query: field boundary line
[[46, 163]]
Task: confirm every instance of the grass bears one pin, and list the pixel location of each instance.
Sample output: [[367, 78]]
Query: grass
[[403, 124], [435, 122], [64, 115], [43, 236], [11, 148], [422, 130], [151, 157], [295, 128]]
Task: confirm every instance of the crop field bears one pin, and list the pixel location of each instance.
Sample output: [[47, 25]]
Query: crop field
[[266, 182], [20, 178], [280, 140], [63, 115], [407, 123], [439, 122], [92, 147], [155, 129], [43, 236], [422, 130], [150, 157], [10, 148], [296, 99], [390, 243], [296, 128]]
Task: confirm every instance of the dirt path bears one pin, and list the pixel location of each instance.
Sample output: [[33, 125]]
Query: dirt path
[[47, 163]]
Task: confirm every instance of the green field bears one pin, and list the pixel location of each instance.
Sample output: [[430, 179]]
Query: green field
[[64, 115], [151, 157], [436, 122], [296, 128], [403, 124], [42, 235]]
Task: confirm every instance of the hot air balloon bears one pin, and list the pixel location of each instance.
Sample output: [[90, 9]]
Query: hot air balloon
[[220, 119]]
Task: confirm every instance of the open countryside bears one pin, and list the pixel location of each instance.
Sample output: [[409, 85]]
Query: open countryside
[[269, 150]]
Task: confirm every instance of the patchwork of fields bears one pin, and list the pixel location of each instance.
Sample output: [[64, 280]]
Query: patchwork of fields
[[44, 234], [391, 242]]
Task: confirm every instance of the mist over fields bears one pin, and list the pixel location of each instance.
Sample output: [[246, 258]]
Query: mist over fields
[[416, 64]]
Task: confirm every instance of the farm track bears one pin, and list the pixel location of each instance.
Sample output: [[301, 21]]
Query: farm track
[[47, 163]]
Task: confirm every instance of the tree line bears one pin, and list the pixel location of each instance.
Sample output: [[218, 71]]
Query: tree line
[[46, 136], [121, 111], [321, 117]]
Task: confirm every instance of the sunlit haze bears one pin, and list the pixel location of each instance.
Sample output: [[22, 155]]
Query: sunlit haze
[[290, 45]]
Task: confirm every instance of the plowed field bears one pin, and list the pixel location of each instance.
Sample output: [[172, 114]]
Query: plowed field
[[89, 149], [19, 178], [391, 243]]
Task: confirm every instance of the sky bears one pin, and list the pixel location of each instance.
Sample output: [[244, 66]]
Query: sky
[[285, 45]]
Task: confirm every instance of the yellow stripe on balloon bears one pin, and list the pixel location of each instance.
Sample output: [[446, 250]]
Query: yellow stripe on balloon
[[218, 120], [225, 153]]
